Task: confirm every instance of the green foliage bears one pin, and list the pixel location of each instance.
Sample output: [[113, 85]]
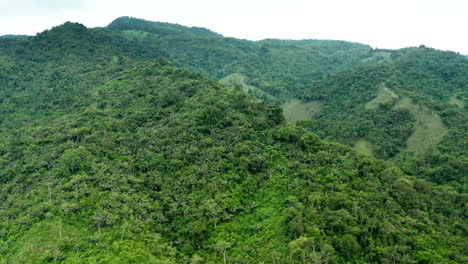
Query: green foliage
[[403, 108], [107, 159], [276, 68]]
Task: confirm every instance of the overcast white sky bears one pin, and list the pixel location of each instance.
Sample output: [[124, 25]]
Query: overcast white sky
[[441, 24]]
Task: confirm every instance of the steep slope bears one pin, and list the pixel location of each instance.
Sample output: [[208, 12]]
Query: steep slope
[[108, 160], [278, 71], [404, 107]]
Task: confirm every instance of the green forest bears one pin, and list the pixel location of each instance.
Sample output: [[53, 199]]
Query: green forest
[[150, 142]]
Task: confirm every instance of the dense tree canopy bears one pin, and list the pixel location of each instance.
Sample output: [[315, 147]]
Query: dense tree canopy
[[109, 155]]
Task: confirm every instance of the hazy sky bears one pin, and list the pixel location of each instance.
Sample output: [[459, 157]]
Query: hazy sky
[[442, 24]]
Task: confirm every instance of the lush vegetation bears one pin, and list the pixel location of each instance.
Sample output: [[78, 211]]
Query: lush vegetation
[[346, 77], [106, 158], [410, 107], [278, 67]]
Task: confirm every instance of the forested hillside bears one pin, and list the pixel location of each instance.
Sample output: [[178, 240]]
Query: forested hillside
[[278, 67], [111, 154], [410, 108], [426, 89]]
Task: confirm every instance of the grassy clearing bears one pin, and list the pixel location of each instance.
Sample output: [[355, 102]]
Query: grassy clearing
[[429, 128], [296, 110], [384, 96], [135, 34], [364, 147], [5, 59], [264, 226], [455, 101], [45, 241], [378, 56], [238, 80]]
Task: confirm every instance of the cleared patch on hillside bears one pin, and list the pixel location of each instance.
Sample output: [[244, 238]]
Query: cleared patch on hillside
[[6, 61], [384, 96], [238, 81], [135, 34], [364, 147], [44, 242], [377, 56], [296, 110], [428, 129], [264, 225], [455, 101]]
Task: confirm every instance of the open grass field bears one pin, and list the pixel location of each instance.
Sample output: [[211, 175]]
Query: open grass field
[[455, 101], [384, 96], [135, 34], [46, 240], [429, 128], [238, 80], [364, 147], [378, 56], [296, 110]]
